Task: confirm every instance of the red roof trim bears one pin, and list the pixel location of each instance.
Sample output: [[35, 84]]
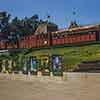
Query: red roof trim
[[78, 29]]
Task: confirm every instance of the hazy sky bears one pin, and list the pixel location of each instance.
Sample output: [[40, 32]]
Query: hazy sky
[[88, 11]]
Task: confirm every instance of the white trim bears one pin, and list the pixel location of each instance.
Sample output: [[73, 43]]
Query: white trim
[[2, 51]]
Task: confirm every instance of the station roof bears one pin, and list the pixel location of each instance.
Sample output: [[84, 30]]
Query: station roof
[[79, 29], [46, 27]]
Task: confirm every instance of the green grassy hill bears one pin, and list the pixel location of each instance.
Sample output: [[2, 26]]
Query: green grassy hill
[[72, 56]]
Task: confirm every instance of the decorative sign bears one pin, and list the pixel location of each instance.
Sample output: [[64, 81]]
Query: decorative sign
[[45, 65], [57, 65], [33, 64]]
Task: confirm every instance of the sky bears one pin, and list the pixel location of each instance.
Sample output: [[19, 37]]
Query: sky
[[61, 11]]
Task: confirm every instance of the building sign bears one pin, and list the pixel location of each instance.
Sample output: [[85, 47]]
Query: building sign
[[45, 65], [57, 65], [34, 66]]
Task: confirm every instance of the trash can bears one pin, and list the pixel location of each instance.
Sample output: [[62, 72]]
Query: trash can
[[57, 67]]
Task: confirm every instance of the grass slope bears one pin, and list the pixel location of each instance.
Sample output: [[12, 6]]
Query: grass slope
[[72, 56]]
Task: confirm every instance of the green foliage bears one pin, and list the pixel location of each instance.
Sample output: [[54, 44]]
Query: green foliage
[[14, 29]]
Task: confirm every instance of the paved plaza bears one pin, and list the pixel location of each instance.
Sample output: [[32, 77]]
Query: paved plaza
[[75, 88]]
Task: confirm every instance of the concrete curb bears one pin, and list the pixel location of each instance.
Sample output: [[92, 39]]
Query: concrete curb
[[66, 76]]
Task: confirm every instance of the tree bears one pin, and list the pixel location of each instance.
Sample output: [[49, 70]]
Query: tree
[[4, 21]]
